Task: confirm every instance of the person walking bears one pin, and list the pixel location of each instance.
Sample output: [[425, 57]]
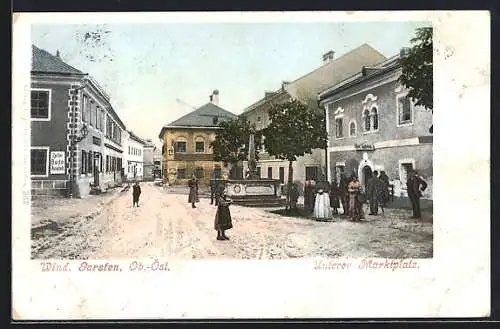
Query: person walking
[[193, 191], [355, 205], [415, 185], [136, 192], [374, 192], [334, 197], [223, 221]]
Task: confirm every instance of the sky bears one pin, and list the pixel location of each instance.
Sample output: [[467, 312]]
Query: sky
[[146, 67]]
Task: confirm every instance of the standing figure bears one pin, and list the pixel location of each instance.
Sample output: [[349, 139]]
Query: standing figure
[[415, 186], [294, 196], [322, 208], [308, 190], [213, 188], [334, 197], [355, 205], [375, 192], [193, 191], [385, 180], [136, 192], [344, 193], [223, 220]]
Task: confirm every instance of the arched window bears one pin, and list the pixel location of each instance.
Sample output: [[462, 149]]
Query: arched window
[[374, 117], [180, 145], [366, 120], [352, 128], [199, 144]]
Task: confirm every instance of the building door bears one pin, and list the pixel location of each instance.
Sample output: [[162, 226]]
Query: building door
[[270, 172], [282, 175], [96, 168], [366, 175], [217, 173]]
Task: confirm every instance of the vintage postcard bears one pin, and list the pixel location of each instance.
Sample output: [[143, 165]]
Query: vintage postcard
[[251, 165]]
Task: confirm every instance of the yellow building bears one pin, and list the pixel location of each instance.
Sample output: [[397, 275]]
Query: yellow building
[[186, 144]]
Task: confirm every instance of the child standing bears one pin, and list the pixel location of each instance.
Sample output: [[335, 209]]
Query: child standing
[[136, 192]]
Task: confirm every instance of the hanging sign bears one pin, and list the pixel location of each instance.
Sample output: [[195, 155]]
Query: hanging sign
[[57, 162], [364, 147]]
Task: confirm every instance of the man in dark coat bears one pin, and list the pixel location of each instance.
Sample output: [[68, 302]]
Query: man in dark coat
[[344, 194], [223, 220], [213, 188], [294, 196], [193, 191], [136, 192], [334, 197], [375, 192], [415, 185], [385, 180]]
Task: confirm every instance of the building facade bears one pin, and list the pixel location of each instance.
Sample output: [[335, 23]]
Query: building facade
[[133, 164], [74, 130], [305, 89], [373, 125], [149, 148], [186, 144]]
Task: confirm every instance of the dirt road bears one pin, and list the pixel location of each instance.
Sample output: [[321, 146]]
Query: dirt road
[[165, 225]]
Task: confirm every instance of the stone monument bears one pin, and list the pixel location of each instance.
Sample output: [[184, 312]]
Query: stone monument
[[254, 191]]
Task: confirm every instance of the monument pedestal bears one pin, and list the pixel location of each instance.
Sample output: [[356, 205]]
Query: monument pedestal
[[255, 192]]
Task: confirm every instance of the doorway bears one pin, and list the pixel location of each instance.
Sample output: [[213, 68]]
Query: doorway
[[282, 175], [97, 160], [366, 175]]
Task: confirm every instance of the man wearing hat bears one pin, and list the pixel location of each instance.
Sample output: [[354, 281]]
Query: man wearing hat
[[415, 186]]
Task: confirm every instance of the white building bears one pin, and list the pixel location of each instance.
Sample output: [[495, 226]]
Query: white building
[[133, 151]]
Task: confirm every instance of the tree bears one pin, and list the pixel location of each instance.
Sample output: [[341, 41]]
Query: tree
[[231, 141], [417, 67], [295, 130]]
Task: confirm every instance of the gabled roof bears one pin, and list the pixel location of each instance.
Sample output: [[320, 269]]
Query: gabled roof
[[44, 62], [136, 138], [201, 117], [310, 84]]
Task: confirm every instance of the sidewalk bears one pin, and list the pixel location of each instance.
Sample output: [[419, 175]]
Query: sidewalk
[[47, 211]]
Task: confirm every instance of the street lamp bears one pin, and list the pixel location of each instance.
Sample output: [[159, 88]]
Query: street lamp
[[74, 138]]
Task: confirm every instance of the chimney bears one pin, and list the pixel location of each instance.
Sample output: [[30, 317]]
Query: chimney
[[58, 54], [268, 94], [284, 84], [214, 98], [328, 57]]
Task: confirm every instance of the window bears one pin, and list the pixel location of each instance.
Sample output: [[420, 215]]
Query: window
[[366, 120], [258, 119], [40, 104], [404, 110], [97, 114], [311, 173], [107, 163], [84, 108], [374, 118], [40, 161], [282, 174], [338, 128], [83, 167], [108, 126], [101, 120], [181, 173], [92, 114], [352, 128], [180, 147], [200, 147], [405, 166], [199, 173], [90, 164], [270, 172]]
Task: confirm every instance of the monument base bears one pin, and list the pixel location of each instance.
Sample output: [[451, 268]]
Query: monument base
[[255, 192]]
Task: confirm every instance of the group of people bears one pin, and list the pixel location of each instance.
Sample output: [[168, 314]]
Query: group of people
[[324, 199]]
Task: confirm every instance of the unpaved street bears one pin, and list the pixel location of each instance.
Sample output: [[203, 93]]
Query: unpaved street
[[166, 226]]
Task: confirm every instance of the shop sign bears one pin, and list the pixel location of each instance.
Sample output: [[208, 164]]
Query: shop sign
[[364, 147], [57, 162]]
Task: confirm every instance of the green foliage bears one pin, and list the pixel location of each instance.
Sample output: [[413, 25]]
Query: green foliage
[[231, 141], [417, 68], [294, 131]]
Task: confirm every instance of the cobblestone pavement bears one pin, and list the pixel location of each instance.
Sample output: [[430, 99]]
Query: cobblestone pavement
[[165, 225]]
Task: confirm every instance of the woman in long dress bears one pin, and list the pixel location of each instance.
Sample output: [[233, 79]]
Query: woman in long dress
[[322, 210], [223, 220], [193, 191]]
